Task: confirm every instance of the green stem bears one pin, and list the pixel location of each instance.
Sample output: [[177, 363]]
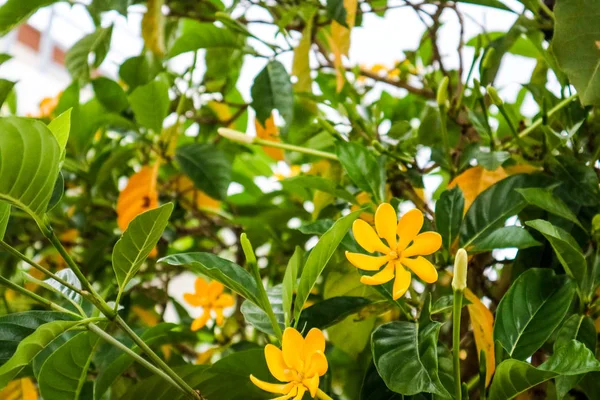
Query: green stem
[[155, 358], [445, 139], [37, 266], [513, 130], [111, 340], [322, 395], [456, 313], [38, 298], [546, 9], [539, 121], [298, 149]]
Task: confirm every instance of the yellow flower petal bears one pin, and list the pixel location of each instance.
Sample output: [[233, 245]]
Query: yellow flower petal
[[219, 320], [201, 286], [193, 299], [367, 238], [276, 364], [425, 244], [385, 223], [365, 262], [214, 289], [314, 341], [224, 300], [316, 364], [201, 321], [279, 388], [292, 344], [402, 282], [312, 384], [409, 225], [422, 268], [291, 394], [385, 275]]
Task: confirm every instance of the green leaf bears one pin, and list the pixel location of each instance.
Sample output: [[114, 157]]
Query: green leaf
[[77, 58], [290, 282], [575, 46], [488, 3], [155, 387], [374, 388], [60, 127], [136, 243], [194, 35], [319, 257], [228, 273], [16, 327], [30, 156], [513, 377], [405, 355], [531, 310], [566, 248], [337, 11], [448, 215], [324, 185], [272, 89], [207, 166], [110, 94], [259, 318], [545, 200], [140, 70], [14, 12], [57, 192], [30, 346], [65, 371], [150, 104], [6, 88], [577, 327], [4, 217], [363, 168], [494, 206], [492, 160], [503, 238], [331, 311]]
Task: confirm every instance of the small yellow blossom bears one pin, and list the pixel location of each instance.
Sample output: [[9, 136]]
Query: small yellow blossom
[[397, 254], [299, 364], [210, 297]]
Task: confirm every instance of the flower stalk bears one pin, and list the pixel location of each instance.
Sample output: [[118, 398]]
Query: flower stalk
[[459, 283]]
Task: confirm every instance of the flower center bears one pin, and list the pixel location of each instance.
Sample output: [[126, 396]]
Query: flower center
[[393, 255]]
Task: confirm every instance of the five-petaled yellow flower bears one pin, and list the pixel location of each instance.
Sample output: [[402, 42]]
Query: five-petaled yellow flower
[[209, 296], [397, 254], [299, 364]]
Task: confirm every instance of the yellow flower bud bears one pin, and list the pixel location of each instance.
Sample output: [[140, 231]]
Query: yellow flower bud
[[461, 262], [442, 93]]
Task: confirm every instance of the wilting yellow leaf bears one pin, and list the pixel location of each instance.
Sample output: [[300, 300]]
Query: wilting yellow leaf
[[475, 180], [204, 357], [271, 133], [363, 199], [301, 66], [148, 317], [153, 27], [19, 389], [186, 188], [222, 111], [139, 195], [482, 321], [340, 40]]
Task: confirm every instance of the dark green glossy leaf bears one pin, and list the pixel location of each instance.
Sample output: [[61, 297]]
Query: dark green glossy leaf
[[259, 318], [374, 388], [207, 166], [6, 88], [141, 236], [228, 273], [329, 312], [531, 310], [322, 184], [77, 58], [319, 257], [150, 104], [492, 160], [110, 94], [14, 12], [337, 11], [545, 200], [363, 168], [272, 89], [194, 35], [448, 215], [503, 238]]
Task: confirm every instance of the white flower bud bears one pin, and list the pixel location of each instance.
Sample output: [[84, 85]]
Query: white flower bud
[[461, 262], [236, 136]]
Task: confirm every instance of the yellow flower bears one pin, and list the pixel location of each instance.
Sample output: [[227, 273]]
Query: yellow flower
[[209, 296], [298, 365], [397, 254]]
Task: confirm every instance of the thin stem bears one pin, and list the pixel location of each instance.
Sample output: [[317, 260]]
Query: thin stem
[[156, 359], [38, 298], [37, 266], [298, 149], [445, 139], [111, 340], [456, 313], [546, 9], [513, 130], [539, 121], [322, 395]]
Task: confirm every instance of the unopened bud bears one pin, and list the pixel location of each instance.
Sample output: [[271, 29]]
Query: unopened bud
[[461, 262], [236, 136], [442, 93], [493, 93], [248, 250], [487, 58]]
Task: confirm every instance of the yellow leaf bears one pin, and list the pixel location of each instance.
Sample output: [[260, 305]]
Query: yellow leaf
[[222, 111], [19, 389], [475, 180], [186, 188], [340, 40], [482, 321], [153, 27], [301, 66], [139, 195], [271, 133], [148, 317]]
